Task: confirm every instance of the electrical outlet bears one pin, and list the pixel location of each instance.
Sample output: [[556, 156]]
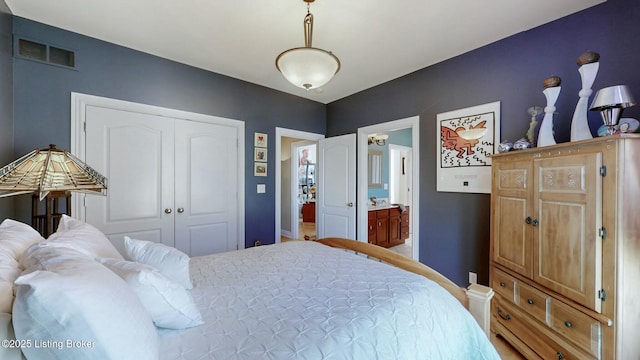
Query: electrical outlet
[[473, 277]]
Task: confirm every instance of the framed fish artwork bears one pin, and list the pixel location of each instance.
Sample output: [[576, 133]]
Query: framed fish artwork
[[466, 140]]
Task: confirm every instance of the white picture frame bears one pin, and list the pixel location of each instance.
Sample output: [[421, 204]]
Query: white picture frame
[[260, 155], [259, 169], [260, 140], [464, 163]]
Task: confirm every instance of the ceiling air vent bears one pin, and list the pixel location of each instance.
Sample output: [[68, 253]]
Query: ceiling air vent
[[32, 50]]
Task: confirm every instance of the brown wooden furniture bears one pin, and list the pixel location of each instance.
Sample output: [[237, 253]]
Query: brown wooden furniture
[[565, 249], [46, 214], [309, 212], [389, 226]]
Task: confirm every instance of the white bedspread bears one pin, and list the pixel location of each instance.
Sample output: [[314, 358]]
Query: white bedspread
[[304, 300]]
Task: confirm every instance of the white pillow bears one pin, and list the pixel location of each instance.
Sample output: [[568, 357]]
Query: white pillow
[[172, 262], [42, 255], [6, 333], [168, 303], [78, 309], [15, 238], [84, 237]]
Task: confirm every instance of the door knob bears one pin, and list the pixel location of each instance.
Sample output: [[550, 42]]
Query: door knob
[[180, 210], [167, 211]]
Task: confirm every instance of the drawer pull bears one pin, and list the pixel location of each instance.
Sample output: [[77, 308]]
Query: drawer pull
[[560, 356], [504, 317], [502, 284], [568, 324], [530, 301]]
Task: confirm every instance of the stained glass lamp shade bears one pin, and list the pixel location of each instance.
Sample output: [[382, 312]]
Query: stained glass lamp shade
[[50, 170]]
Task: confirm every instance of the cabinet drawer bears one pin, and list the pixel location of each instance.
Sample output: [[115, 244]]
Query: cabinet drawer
[[404, 232], [540, 339], [578, 327], [503, 284], [532, 301], [384, 213]]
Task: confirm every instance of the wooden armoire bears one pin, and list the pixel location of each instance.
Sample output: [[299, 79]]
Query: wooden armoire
[[565, 249]]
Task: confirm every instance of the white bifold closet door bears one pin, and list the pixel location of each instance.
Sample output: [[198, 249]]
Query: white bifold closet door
[[171, 181]]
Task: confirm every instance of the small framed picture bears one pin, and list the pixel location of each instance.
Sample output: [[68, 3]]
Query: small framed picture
[[260, 140], [259, 169], [260, 155]]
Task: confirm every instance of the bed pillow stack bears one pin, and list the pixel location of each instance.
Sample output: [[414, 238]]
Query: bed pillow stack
[[169, 303], [159, 275], [69, 306], [15, 238]]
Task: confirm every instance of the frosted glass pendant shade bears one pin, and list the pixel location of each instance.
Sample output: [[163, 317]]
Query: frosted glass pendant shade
[[308, 67]]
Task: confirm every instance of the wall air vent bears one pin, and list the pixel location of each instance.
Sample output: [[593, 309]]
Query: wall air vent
[[32, 50]]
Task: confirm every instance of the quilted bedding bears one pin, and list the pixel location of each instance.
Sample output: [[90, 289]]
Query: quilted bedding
[[304, 300]]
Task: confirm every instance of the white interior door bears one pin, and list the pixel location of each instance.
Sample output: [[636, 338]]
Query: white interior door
[[136, 153], [206, 188], [336, 194], [400, 174]]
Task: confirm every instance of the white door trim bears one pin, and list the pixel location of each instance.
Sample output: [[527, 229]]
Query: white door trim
[[79, 104], [410, 122], [280, 132]]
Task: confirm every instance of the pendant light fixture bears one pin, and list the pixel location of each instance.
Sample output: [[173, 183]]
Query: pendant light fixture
[[308, 67]]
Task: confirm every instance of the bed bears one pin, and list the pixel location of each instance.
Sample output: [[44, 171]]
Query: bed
[[296, 300]]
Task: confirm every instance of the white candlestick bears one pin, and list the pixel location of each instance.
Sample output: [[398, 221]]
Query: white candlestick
[[579, 124], [545, 136]]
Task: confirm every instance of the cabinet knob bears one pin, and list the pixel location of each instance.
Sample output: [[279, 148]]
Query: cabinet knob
[[167, 211], [180, 210], [502, 284], [505, 317], [535, 222], [568, 324], [350, 204], [528, 220], [530, 301], [560, 356]]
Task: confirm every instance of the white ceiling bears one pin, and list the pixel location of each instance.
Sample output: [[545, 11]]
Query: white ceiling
[[376, 40]]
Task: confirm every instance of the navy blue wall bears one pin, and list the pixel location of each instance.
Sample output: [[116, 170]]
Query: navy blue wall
[[454, 227], [42, 104], [6, 102]]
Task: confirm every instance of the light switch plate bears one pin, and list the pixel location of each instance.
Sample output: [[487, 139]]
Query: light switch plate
[[262, 188]]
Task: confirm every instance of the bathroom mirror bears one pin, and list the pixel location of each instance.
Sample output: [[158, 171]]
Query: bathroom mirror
[[374, 168]]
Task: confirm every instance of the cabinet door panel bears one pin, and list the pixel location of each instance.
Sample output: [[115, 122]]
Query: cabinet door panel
[[512, 245], [568, 256]]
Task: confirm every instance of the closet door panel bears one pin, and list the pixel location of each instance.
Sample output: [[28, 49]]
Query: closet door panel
[[135, 152], [206, 188]]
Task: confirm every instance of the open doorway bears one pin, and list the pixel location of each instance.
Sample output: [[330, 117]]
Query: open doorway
[[303, 173], [291, 195], [394, 187]]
